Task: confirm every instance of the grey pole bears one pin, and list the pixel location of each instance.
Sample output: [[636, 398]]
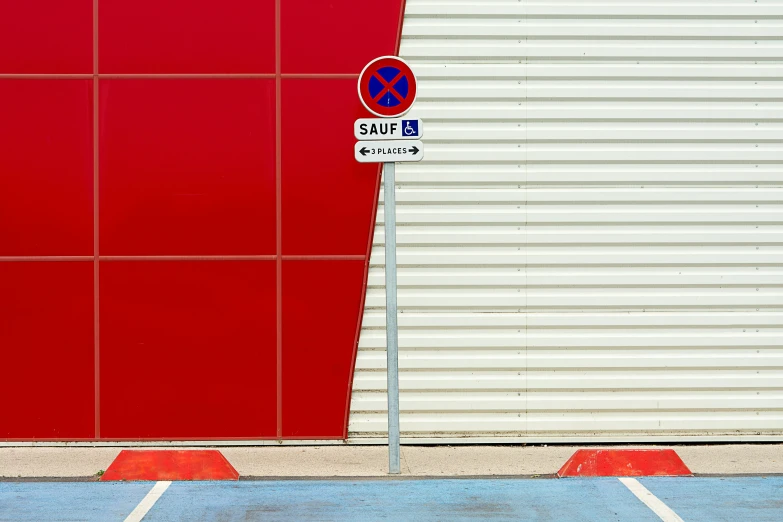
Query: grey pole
[[392, 377]]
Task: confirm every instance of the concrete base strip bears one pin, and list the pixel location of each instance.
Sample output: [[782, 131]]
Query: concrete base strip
[[148, 501], [355, 461], [651, 501]]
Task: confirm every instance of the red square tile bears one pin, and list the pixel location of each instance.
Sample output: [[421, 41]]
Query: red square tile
[[339, 36], [188, 349], [321, 302], [46, 167], [46, 36], [187, 167], [186, 36], [47, 378], [328, 197]]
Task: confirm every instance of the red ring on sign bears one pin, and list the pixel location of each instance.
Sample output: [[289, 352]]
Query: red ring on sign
[[370, 71]]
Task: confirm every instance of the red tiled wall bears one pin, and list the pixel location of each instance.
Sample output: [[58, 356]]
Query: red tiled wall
[[184, 232]]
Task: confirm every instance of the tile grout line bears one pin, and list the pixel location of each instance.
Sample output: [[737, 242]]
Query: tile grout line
[[657, 506], [174, 76], [191, 258], [19, 259], [148, 501], [96, 207], [318, 257], [196, 257], [279, 219]]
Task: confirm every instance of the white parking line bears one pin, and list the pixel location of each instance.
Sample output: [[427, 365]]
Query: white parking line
[[148, 501], [651, 501]]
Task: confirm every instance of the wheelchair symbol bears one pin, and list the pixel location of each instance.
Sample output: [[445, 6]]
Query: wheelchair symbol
[[410, 127]]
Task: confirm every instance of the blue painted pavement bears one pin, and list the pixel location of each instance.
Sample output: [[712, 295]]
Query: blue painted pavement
[[730, 499], [753, 499], [69, 501], [454, 500]]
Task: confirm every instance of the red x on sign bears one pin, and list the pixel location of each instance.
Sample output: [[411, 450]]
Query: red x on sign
[[387, 87]]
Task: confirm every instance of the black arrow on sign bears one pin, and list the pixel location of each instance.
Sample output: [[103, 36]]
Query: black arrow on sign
[[415, 150], [363, 151]]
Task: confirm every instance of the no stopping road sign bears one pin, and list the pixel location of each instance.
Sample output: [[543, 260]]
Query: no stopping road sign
[[387, 87]]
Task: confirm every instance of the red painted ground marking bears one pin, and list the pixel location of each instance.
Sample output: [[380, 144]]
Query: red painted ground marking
[[623, 463], [170, 465]]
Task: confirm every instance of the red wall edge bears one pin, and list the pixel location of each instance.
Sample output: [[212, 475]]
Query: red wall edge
[[369, 250]]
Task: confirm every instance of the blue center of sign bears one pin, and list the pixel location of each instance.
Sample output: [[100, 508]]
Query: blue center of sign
[[388, 87]]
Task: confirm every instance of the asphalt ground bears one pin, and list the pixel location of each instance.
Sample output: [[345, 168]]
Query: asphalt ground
[[707, 499]]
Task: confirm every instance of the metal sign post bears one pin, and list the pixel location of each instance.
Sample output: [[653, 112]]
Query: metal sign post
[[387, 88], [392, 375]]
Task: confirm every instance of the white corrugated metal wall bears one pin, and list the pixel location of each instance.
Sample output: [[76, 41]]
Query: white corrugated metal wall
[[593, 246]]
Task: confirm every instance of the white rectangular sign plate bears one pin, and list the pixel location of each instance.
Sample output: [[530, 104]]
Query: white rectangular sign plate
[[388, 129], [388, 151]]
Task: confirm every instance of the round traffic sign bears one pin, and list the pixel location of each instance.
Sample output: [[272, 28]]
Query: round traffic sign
[[387, 87]]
